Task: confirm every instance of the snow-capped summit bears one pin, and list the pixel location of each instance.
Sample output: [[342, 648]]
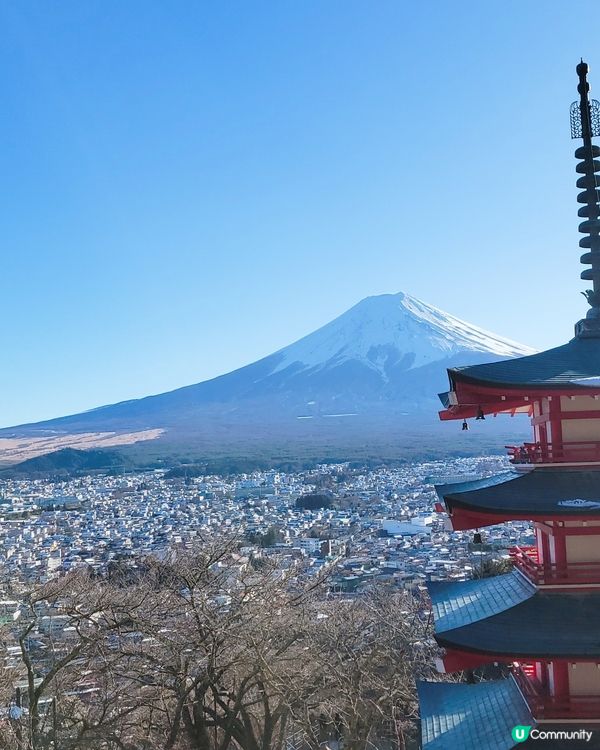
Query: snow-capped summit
[[372, 368], [390, 328]]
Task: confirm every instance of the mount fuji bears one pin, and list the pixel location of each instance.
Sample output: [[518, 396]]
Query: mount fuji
[[370, 372]]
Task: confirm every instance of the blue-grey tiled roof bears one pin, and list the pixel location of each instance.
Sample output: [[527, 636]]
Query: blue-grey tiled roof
[[475, 484], [460, 603], [563, 365], [545, 625], [543, 491], [456, 716]]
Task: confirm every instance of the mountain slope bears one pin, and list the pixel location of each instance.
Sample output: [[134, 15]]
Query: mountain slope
[[385, 357]]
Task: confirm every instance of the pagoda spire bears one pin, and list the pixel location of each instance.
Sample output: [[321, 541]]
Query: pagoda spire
[[585, 124]]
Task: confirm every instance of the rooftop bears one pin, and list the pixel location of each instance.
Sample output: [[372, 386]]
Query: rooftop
[[507, 617], [471, 717], [458, 605], [566, 365], [567, 493]]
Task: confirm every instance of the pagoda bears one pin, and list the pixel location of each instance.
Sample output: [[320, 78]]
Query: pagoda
[[540, 623]]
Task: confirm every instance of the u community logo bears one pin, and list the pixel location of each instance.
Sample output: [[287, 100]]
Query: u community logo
[[520, 733]]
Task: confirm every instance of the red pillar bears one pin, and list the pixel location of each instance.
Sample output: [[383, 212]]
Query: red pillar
[[556, 424], [560, 546], [560, 673]]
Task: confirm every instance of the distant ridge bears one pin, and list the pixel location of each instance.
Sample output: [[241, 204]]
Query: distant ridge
[[375, 366], [68, 461]]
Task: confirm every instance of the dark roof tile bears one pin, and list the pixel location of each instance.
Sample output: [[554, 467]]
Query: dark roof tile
[[543, 625], [471, 717], [456, 604], [578, 359], [541, 491]]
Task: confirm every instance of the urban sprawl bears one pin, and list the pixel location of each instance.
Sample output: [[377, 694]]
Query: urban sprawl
[[382, 524]]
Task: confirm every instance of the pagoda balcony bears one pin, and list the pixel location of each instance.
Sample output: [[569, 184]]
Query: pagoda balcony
[[544, 706], [587, 451], [527, 561]]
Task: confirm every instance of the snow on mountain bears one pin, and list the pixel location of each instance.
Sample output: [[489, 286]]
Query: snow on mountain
[[384, 358], [394, 327]]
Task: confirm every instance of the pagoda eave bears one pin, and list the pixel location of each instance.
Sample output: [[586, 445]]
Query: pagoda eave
[[571, 366], [465, 519], [457, 658], [534, 629], [552, 494], [506, 617], [472, 411], [470, 398]]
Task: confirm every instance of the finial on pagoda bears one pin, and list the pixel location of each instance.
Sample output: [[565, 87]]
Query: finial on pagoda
[[585, 124]]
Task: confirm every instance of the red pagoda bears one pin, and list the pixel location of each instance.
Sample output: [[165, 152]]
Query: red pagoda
[[540, 623]]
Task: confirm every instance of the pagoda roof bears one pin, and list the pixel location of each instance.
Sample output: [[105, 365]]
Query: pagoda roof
[[509, 384], [505, 616], [471, 717], [456, 604], [562, 366], [545, 492]]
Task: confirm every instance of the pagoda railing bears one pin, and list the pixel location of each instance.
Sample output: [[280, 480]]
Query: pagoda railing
[[527, 561], [586, 451], [545, 706]]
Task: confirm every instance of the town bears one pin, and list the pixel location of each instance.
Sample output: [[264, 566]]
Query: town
[[74, 553], [380, 523]]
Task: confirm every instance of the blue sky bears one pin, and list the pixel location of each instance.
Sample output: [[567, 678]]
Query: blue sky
[[186, 187]]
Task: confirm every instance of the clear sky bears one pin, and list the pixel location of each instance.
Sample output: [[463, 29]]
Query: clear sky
[[188, 186]]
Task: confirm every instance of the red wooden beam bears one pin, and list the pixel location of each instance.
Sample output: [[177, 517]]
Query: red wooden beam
[[463, 519]]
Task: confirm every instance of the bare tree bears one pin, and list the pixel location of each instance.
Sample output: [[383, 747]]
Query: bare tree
[[206, 651], [369, 650], [224, 637], [67, 638]]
